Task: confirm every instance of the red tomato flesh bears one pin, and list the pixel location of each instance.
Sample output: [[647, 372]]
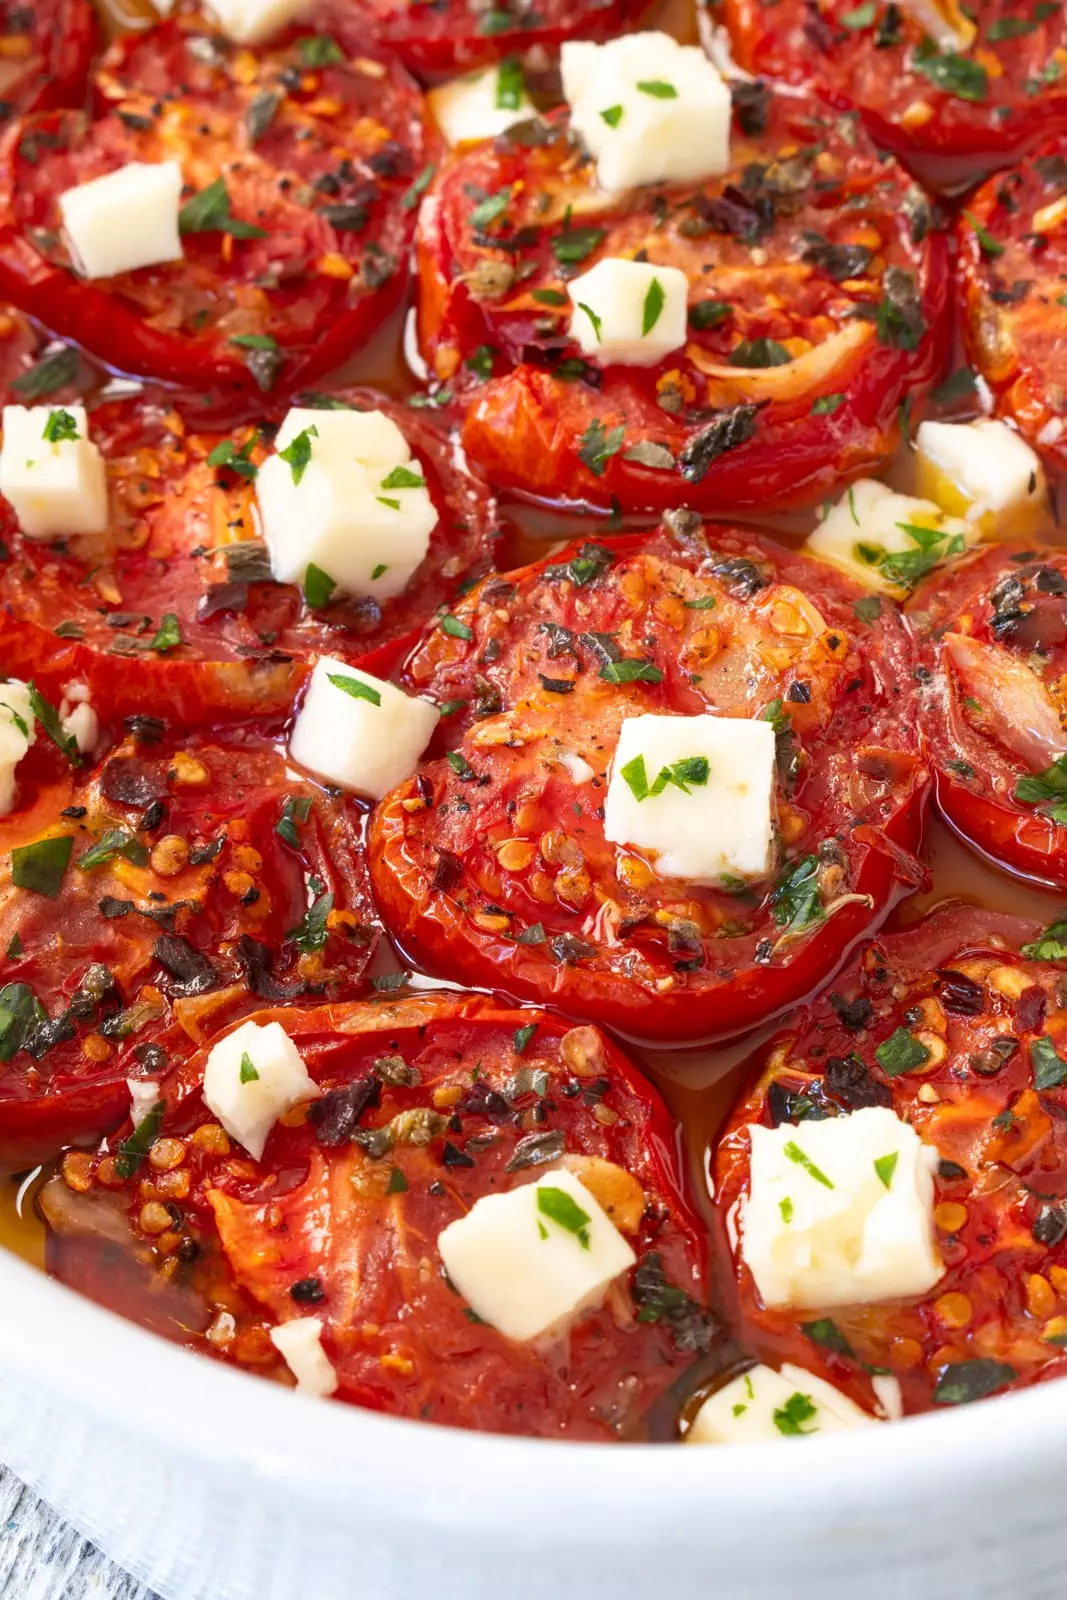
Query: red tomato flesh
[[491, 864], [188, 868], [179, 545], [46, 50], [316, 162], [952, 114], [994, 639], [340, 1221], [818, 304], [1001, 1185]]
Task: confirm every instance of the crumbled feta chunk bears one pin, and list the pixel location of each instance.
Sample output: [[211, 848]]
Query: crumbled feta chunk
[[888, 541], [696, 791], [534, 1259], [51, 472], [359, 731], [144, 1097], [342, 493], [253, 21], [648, 109], [983, 471], [763, 1404], [299, 1342], [482, 105], [124, 220], [629, 312], [18, 730], [251, 1078], [840, 1211]]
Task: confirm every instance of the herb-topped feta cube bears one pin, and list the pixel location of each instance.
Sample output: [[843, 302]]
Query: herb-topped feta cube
[[763, 1404], [697, 793], [983, 471], [124, 220], [888, 541], [359, 731], [253, 21], [18, 730], [52, 473], [840, 1211], [629, 311], [344, 505], [251, 1078], [532, 1260], [648, 109], [299, 1343], [482, 105]]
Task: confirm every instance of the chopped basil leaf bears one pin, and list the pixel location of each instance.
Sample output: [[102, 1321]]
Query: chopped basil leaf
[[132, 1151], [168, 635], [658, 89], [226, 454], [631, 671], [652, 309], [760, 353], [297, 808], [794, 1153], [963, 1381], [1050, 945], [489, 209], [209, 211], [1050, 1069], [612, 116], [319, 50], [708, 313], [510, 84], [798, 1409], [114, 842], [986, 242], [453, 626], [795, 898], [1047, 790], [593, 318], [403, 478], [523, 1037], [597, 446], [355, 687], [248, 1070], [298, 452], [318, 586], [885, 1166], [548, 297], [824, 1331], [60, 426], [954, 74], [901, 1052], [826, 405], [418, 188], [559, 1207], [574, 244], [311, 933], [39, 867]]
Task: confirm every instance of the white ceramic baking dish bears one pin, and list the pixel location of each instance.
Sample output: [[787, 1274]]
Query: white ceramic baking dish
[[213, 1485]]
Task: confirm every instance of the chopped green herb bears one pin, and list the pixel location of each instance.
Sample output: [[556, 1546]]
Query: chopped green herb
[[397, 1184], [418, 188], [318, 586], [963, 1381], [798, 1409], [523, 1037], [794, 1153], [901, 1052], [453, 626], [132, 1151], [760, 353], [597, 446], [988, 245], [60, 426], [824, 1331], [593, 318], [1050, 1069], [960, 385], [319, 50], [785, 1206], [612, 116], [885, 1167], [827, 404], [480, 362], [631, 671], [548, 297], [296, 809], [297, 452], [559, 1207], [953, 74], [574, 244], [254, 341], [510, 84], [311, 932], [209, 211], [658, 89], [226, 454], [705, 603], [39, 867], [248, 1071], [48, 717], [168, 635], [795, 898], [655, 300], [114, 842], [403, 478], [489, 209], [20, 1012], [1046, 790], [1050, 945], [355, 687]]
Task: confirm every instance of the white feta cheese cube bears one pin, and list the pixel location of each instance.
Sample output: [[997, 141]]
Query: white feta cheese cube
[[763, 1404], [82, 724], [983, 471], [629, 311], [648, 109], [124, 220], [144, 1097], [840, 1212], [299, 1342], [359, 731], [888, 541], [481, 105], [343, 493], [534, 1259], [251, 1078], [51, 472], [253, 21], [696, 791], [18, 730]]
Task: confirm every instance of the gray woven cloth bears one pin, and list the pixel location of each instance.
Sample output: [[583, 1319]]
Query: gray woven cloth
[[42, 1558]]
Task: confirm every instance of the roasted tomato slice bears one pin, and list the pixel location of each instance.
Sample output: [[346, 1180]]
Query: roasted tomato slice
[[430, 1103], [989, 1096], [46, 50], [304, 248], [182, 546], [994, 639], [492, 863], [951, 91], [171, 886], [818, 296], [1013, 262], [458, 35]]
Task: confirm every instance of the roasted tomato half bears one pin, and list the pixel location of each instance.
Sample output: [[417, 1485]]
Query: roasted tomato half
[[174, 612], [817, 303], [1013, 261], [429, 1103], [169, 884], [952, 91], [297, 162], [46, 50], [994, 640], [974, 1000], [446, 37], [491, 865]]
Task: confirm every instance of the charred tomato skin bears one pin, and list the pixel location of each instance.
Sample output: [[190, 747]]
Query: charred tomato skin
[[971, 122], [180, 530], [435, 41], [493, 858], [1013, 257], [354, 1231], [192, 914], [1011, 600], [753, 411], [312, 278], [1003, 1159]]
